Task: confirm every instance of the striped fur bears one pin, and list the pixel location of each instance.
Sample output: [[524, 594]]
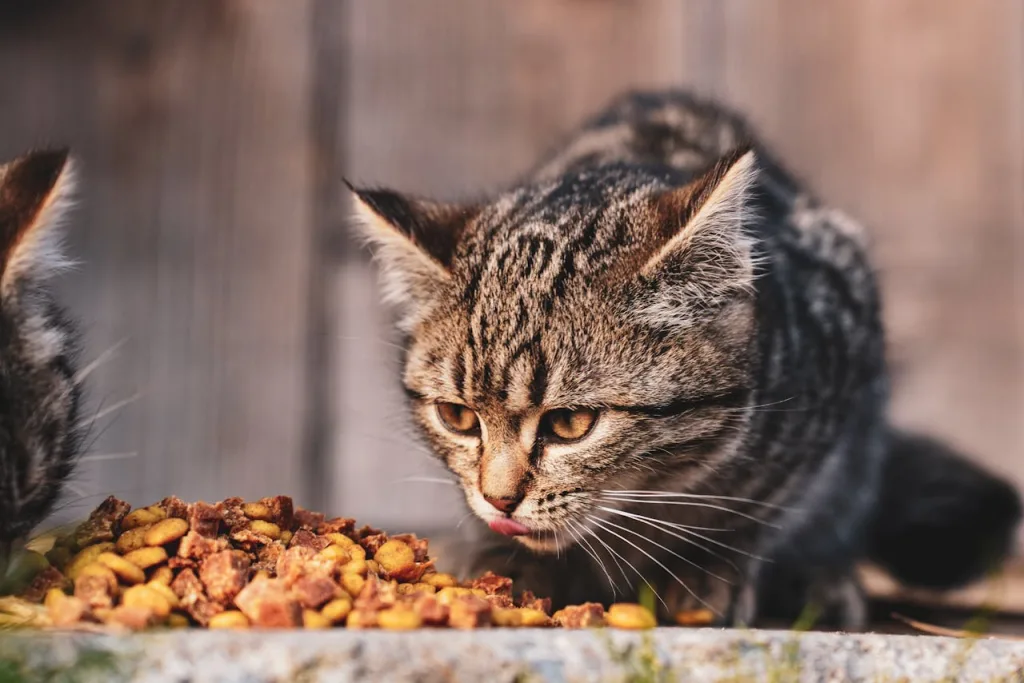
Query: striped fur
[[39, 433], [723, 322]]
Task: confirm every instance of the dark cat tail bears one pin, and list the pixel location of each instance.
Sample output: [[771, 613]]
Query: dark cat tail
[[942, 521]]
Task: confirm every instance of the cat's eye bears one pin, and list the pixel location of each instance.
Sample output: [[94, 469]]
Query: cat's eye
[[567, 425], [458, 418]]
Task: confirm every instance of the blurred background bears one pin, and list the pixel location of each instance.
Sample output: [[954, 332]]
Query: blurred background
[[242, 325]]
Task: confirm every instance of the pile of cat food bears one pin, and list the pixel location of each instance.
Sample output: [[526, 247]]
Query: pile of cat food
[[267, 564]]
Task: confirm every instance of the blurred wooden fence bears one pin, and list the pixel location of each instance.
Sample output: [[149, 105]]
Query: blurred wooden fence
[[213, 136]]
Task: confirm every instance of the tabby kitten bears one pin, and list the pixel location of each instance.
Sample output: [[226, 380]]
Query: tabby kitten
[[39, 433], [659, 360]]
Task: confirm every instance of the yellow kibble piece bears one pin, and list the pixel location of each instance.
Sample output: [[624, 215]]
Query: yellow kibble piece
[[266, 528], [54, 596], [229, 620], [125, 570], [140, 517], [85, 557], [506, 617], [133, 539], [166, 531], [398, 619], [531, 617], [145, 597], [335, 552], [394, 555], [438, 580], [260, 511], [696, 617], [147, 557], [97, 569], [411, 588], [340, 539], [286, 536], [361, 619], [373, 567], [356, 566], [630, 615], [162, 575], [312, 619], [260, 575], [336, 610], [176, 620], [158, 511], [357, 552], [352, 583], [448, 594], [166, 592]]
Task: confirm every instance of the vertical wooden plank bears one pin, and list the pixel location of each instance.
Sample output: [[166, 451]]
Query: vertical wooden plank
[[194, 232]]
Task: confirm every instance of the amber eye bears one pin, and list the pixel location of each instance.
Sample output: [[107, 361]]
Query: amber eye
[[458, 418], [568, 425]]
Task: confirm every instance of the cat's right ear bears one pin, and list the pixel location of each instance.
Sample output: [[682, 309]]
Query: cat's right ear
[[414, 241], [35, 194]]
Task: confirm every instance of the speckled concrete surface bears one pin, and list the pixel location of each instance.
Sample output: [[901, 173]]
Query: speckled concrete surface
[[699, 655]]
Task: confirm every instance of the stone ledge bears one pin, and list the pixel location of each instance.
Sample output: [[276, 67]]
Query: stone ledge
[[521, 656]]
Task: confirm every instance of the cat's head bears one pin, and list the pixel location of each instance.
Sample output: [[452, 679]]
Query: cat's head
[[588, 334], [38, 394]]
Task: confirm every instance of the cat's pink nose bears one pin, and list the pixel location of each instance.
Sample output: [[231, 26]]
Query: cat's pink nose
[[506, 505]]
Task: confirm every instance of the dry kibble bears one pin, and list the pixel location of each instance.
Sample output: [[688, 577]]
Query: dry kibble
[[133, 539], [398, 619], [352, 583], [335, 552], [361, 618], [313, 619], [439, 581], [145, 597], [340, 539], [85, 557], [630, 616], [267, 565], [147, 557], [696, 617], [125, 570], [175, 620], [229, 620], [268, 529], [166, 592], [258, 511], [162, 575], [166, 531], [337, 610], [140, 517]]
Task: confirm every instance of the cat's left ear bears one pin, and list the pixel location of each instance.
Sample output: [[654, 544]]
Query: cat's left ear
[[35, 195], [414, 240], [704, 251]]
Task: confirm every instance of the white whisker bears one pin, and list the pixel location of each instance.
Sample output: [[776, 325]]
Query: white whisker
[[628, 563], [695, 496], [658, 524], [623, 499], [682, 583], [425, 480], [668, 550], [689, 530], [98, 457], [109, 409], [98, 361], [589, 549], [464, 518]]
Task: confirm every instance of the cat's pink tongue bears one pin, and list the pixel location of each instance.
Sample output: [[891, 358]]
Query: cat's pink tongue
[[509, 527]]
